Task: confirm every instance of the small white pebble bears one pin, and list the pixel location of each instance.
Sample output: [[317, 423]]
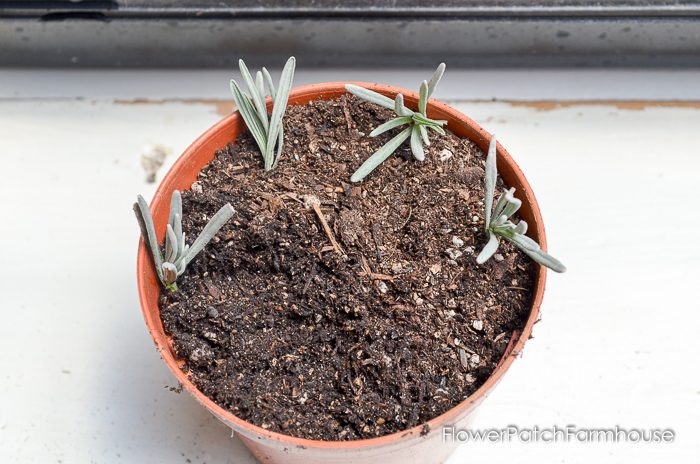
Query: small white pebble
[[453, 254], [475, 218], [498, 257], [457, 341], [469, 249], [382, 287], [196, 187], [470, 378], [475, 359], [478, 325], [456, 241], [445, 155], [396, 267]]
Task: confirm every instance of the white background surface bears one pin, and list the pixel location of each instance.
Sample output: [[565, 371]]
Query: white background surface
[[81, 381]]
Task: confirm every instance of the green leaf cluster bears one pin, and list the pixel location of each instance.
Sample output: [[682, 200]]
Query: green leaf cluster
[[417, 123], [497, 221], [177, 253], [266, 129]]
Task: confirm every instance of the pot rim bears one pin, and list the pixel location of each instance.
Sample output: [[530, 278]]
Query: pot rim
[[512, 350]]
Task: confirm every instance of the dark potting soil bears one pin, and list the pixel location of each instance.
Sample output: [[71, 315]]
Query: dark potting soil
[[389, 327]]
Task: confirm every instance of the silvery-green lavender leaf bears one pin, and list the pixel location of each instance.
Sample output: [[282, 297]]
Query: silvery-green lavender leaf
[[433, 82], [490, 182], [512, 204], [213, 226], [245, 108], [424, 135], [437, 129], [489, 249], [524, 242], [261, 88], [177, 228], [533, 250], [546, 260], [416, 144], [270, 84], [148, 231], [175, 206], [171, 246], [182, 246], [280, 144], [521, 228], [501, 203], [423, 97], [396, 122], [399, 108], [499, 221], [370, 96], [257, 97], [181, 267], [273, 96], [380, 155], [504, 227], [419, 118], [282, 97]]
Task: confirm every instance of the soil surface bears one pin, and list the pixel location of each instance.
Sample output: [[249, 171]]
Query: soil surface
[[385, 329]]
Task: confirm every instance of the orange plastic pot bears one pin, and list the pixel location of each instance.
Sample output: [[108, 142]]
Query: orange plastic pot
[[409, 446]]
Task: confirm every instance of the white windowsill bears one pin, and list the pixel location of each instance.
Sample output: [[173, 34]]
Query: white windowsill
[[616, 181]]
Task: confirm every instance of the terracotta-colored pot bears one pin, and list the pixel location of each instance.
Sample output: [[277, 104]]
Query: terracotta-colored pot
[[404, 447]]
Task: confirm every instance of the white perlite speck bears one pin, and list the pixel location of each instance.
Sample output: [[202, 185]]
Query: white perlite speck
[[445, 155], [453, 254], [196, 187]]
